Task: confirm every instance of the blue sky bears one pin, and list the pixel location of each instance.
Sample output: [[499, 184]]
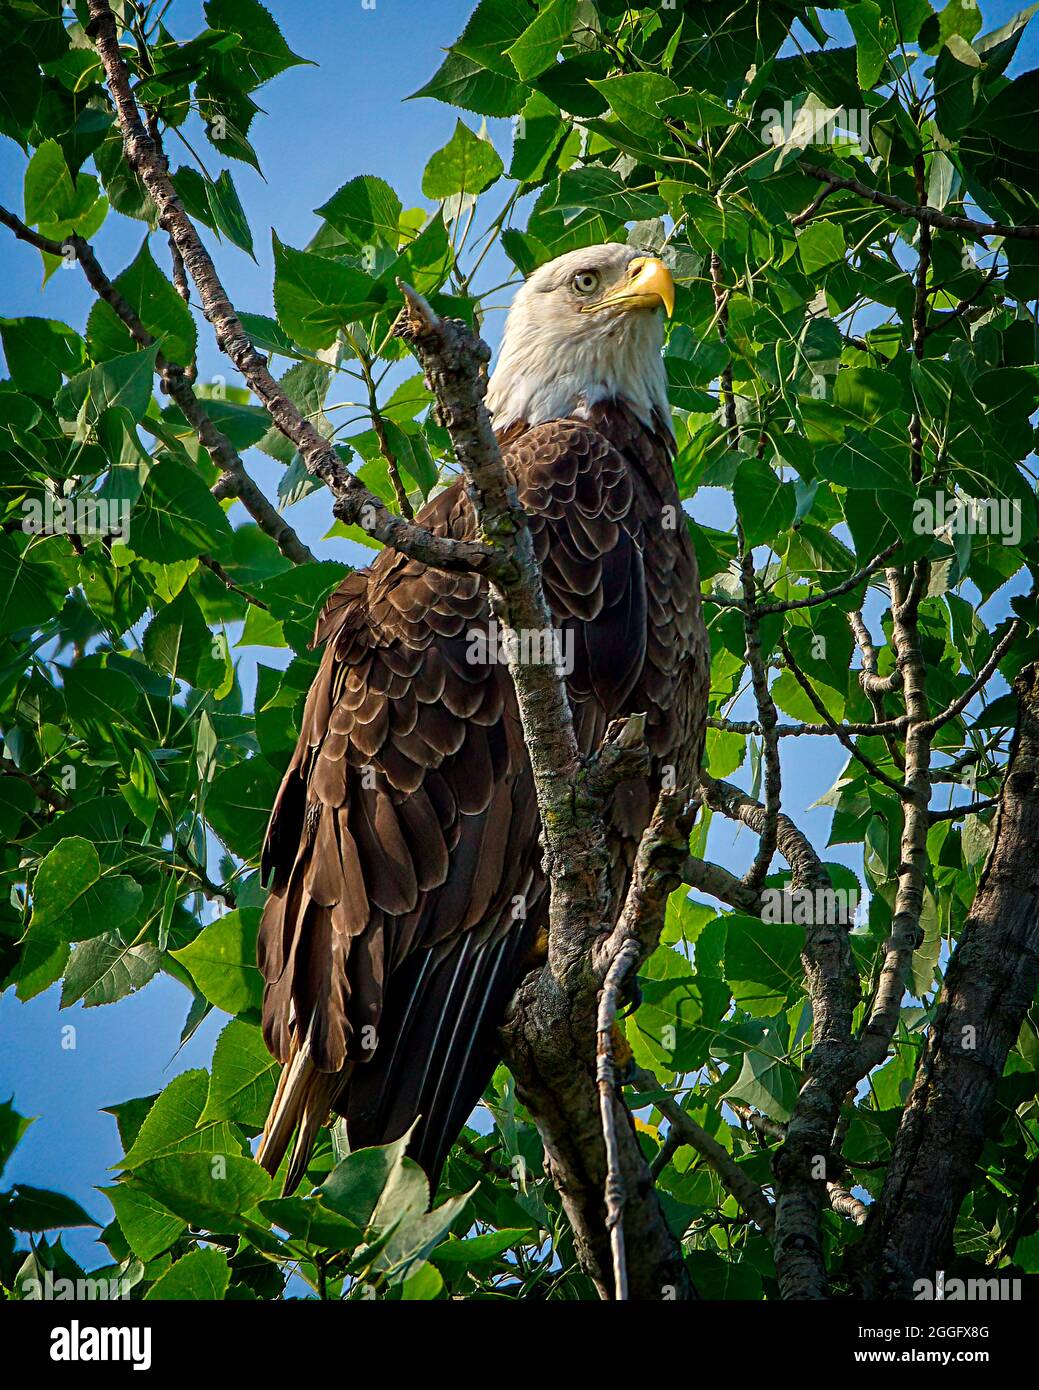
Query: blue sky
[[325, 124]]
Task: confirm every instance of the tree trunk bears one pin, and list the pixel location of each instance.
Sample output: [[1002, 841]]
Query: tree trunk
[[549, 1039], [989, 985]]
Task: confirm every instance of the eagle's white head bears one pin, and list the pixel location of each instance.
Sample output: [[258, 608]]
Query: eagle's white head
[[584, 328]]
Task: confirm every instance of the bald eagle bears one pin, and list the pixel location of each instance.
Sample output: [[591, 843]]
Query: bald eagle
[[406, 891]]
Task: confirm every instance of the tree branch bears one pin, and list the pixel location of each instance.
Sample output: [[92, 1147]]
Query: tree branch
[[234, 480], [905, 925], [721, 884], [768, 718], [926, 216], [806, 866], [729, 1173], [789, 605], [354, 502], [955, 812], [835, 728], [961, 702]]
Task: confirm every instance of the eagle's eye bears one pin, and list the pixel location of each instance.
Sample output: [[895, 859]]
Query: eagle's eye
[[586, 282]]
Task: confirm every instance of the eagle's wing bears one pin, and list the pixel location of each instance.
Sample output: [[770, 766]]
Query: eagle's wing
[[403, 850]]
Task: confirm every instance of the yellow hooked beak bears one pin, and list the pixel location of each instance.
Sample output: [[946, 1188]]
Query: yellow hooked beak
[[648, 285]]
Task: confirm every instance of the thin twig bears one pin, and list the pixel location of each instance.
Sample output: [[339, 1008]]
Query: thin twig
[[605, 1080], [835, 728], [925, 215], [960, 308], [955, 812], [729, 1173], [958, 705]]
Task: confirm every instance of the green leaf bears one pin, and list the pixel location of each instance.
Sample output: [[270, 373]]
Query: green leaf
[[19, 93], [222, 962], [355, 1186], [309, 1220], [40, 352], [463, 1254], [721, 1279], [125, 382], [156, 303], [468, 163], [874, 37], [1000, 45], [956, 78], [537, 46], [1011, 115], [198, 1275], [73, 901], [208, 1189], [262, 52], [106, 969], [268, 335], [766, 1082], [820, 244], [34, 1209], [600, 190], [412, 455], [478, 74], [764, 502], [148, 1227], [366, 210], [228, 213], [172, 1125], [52, 196], [539, 133], [193, 191], [31, 590], [424, 263], [179, 642], [177, 517], [12, 1129], [568, 84], [461, 82], [239, 805], [635, 99], [685, 379], [763, 963], [315, 297], [964, 20], [699, 112], [862, 461], [243, 1076], [99, 697]]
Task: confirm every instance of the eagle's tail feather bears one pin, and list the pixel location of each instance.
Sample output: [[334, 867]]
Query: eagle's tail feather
[[452, 1097], [438, 1052], [446, 1023], [301, 1102]]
